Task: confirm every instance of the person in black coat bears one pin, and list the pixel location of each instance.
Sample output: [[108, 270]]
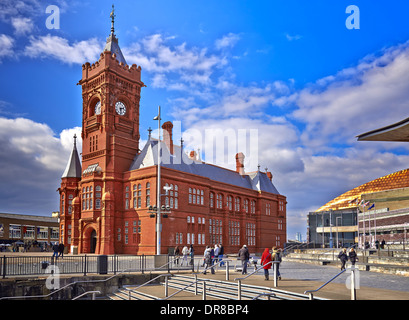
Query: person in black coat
[[353, 257], [343, 257]]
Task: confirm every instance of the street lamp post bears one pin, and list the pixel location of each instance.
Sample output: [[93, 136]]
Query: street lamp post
[[158, 220]]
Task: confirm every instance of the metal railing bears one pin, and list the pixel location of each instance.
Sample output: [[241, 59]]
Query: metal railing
[[11, 266], [87, 293], [352, 286], [255, 271], [66, 286]]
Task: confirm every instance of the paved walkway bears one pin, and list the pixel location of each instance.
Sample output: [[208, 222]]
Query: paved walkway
[[299, 277]]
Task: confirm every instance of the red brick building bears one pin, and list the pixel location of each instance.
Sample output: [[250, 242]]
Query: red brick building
[[104, 200]]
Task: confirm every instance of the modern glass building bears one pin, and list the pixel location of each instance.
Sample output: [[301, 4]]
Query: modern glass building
[[333, 228]]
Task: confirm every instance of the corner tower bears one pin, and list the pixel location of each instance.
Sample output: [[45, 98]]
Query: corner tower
[[110, 140]]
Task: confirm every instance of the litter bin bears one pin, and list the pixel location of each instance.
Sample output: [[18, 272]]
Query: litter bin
[[102, 264]]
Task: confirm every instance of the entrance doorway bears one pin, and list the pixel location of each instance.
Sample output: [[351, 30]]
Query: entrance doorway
[[93, 241]]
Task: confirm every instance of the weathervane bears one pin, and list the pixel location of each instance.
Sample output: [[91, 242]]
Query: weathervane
[[112, 15]]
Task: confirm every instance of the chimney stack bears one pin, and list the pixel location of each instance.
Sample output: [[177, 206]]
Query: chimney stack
[[240, 163], [167, 135]]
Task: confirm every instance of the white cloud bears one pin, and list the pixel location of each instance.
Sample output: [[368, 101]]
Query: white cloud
[[154, 54], [292, 37], [373, 94], [6, 46], [60, 49], [22, 25], [227, 41]]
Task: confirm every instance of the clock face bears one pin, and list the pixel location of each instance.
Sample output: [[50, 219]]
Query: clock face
[[120, 108], [98, 107]]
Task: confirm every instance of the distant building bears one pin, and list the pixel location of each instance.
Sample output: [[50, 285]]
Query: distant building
[[298, 236], [28, 229]]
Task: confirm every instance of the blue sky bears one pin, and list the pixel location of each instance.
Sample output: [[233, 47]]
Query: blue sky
[[289, 69]]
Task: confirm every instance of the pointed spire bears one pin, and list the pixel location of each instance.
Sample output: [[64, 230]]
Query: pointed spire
[[112, 40], [73, 168]]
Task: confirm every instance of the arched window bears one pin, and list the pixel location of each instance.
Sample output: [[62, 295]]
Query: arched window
[[211, 200]]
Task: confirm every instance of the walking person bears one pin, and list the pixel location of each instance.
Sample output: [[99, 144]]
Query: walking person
[[244, 257], [185, 252], [216, 254], [266, 258], [208, 260], [221, 253], [353, 257], [276, 257], [61, 250], [177, 253], [55, 251], [191, 254], [343, 257]]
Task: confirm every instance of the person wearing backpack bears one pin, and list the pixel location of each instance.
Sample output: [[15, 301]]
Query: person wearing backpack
[[277, 258]]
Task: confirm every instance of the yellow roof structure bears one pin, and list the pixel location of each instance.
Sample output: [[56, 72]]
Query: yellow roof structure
[[349, 199]]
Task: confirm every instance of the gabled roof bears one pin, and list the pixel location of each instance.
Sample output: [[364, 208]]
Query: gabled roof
[[73, 168], [180, 161]]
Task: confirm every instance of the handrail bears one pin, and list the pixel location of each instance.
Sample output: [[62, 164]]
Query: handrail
[[66, 286], [85, 293], [175, 293], [261, 267], [333, 278], [269, 294], [212, 266], [144, 284]]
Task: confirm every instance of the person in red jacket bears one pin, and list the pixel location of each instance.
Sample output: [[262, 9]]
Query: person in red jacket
[[265, 258]]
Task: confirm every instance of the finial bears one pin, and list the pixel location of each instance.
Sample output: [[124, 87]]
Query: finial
[[112, 15], [181, 143], [150, 131], [266, 169], [75, 139], [258, 168]]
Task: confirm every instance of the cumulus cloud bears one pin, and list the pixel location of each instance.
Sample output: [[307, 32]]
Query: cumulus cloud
[[32, 161], [6, 46], [22, 25], [227, 41], [59, 48], [357, 99]]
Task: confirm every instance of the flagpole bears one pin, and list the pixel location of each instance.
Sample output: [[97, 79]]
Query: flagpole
[[363, 218], [374, 212], [369, 228]]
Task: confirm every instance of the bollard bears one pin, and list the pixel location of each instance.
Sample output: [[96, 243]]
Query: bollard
[[275, 274], [353, 289], [239, 289], [227, 270], [204, 291], [195, 284], [166, 286]]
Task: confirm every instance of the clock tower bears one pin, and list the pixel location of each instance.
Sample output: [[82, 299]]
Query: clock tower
[[111, 92], [110, 116]]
